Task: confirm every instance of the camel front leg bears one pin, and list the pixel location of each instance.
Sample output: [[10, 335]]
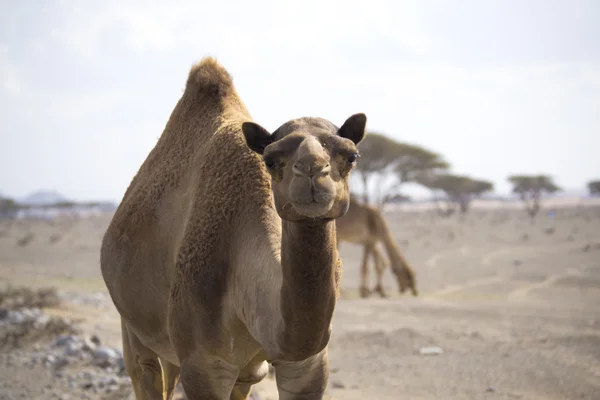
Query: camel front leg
[[205, 377], [364, 271], [379, 269], [303, 380], [142, 366]]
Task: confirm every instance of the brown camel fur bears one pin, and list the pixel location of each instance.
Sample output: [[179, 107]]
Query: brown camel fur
[[366, 226], [222, 254]]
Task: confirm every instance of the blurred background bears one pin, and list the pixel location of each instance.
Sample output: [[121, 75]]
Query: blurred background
[[481, 158]]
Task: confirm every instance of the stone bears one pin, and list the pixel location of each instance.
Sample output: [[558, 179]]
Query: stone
[[430, 351]]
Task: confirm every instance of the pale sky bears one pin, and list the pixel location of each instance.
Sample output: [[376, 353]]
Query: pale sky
[[498, 87]]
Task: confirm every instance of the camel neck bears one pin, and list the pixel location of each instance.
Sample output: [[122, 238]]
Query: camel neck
[[309, 262]]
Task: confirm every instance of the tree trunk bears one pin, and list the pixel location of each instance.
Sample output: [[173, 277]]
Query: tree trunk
[[365, 188]]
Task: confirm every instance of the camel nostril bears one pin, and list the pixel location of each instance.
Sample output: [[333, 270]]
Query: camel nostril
[[311, 168], [300, 169]]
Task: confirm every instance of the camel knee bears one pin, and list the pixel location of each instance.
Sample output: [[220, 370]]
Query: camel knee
[[303, 380], [151, 378], [206, 379]]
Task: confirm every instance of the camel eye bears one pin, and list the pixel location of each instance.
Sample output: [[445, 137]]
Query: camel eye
[[352, 158]]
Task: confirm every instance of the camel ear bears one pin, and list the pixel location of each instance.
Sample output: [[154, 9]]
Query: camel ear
[[257, 137], [354, 128]]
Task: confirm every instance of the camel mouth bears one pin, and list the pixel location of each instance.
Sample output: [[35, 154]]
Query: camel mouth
[[312, 209]]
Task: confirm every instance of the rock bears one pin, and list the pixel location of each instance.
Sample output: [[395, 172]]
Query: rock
[[430, 351], [105, 353], [63, 340], [61, 362], [73, 349], [94, 339], [16, 317], [490, 389], [105, 357], [41, 321], [87, 375], [50, 359], [89, 345], [106, 382]]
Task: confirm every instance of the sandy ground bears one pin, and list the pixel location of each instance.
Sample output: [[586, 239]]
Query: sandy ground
[[514, 306]]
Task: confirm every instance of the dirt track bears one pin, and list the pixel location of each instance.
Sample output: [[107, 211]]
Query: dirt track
[[513, 306]]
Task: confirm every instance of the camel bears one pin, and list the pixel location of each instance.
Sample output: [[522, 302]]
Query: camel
[[366, 226], [221, 257]]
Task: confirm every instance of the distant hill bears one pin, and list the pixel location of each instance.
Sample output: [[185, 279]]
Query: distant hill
[[43, 197]]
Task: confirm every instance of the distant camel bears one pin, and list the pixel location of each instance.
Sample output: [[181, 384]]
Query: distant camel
[[222, 254], [365, 225]]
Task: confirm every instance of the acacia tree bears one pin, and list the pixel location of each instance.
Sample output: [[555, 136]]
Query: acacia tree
[[8, 208], [530, 189], [594, 188], [377, 154], [411, 163], [394, 162], [457, 191]]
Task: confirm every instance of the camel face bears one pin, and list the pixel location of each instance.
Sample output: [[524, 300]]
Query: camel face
[[309, 160]]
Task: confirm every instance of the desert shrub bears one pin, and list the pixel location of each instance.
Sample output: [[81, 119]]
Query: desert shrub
[[25, 240]]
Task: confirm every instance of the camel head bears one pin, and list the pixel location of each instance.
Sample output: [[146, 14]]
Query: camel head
[[309, 160]]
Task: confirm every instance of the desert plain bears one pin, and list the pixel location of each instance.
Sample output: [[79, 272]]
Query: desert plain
[[507, 309]]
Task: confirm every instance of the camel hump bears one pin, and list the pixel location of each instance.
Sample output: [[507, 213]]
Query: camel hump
[[210, 78]]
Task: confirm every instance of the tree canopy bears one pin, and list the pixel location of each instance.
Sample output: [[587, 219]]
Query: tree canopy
[[530, 189], [377, 152], [8, 207], [594, 188], [458, 190], [394, 161], [533, 184]]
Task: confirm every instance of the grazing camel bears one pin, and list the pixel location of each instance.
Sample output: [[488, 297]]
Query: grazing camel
[[366, 226], [222, 254]]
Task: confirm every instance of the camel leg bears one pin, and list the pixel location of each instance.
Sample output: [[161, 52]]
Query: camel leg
[[364, 271], [205, 377], [170, 378], [379, 269], [303, 380], [142, 366]]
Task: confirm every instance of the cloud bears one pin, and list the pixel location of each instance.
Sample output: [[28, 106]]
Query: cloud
[[9, 76]]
